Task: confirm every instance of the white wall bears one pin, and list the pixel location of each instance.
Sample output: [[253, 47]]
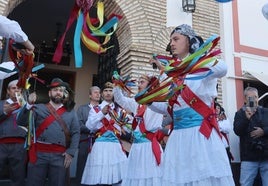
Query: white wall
[[175, 14], [252, 24]]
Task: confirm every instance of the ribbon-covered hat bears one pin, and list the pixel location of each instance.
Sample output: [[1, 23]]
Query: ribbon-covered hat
[[57, 82], [186, 30]]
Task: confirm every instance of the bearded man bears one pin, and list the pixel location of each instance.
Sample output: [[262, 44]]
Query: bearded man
[[56, 135]]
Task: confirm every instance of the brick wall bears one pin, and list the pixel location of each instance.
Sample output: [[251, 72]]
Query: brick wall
[[6, 6], [141, 33]]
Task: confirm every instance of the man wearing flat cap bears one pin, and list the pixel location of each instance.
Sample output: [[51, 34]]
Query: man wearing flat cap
[[56, 136]]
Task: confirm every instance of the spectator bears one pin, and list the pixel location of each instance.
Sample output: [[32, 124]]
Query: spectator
[[251, 125], [225, 128], [86, 137]]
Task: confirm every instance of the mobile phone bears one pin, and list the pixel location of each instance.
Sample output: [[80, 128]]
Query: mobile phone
[[251, 102]]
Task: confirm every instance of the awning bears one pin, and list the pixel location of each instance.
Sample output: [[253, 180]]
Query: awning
[[261, 76]]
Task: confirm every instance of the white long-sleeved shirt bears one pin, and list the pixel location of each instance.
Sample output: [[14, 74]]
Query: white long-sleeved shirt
[[94, 121], [225, 127], [204, 88], [11, 29], [152, 120]]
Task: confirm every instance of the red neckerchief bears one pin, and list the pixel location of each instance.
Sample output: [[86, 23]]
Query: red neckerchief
[[108, 125], [140, 111]]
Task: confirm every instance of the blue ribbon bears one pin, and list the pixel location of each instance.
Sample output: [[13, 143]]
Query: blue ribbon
[[77, 41]]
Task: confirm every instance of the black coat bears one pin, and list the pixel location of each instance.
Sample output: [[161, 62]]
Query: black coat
[[252, 149]]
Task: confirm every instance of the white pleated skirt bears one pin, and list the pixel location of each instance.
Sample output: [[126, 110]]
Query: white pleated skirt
[[142, 169], [106, 164], [190, 159]]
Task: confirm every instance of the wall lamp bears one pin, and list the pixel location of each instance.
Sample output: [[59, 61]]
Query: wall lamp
[[188, 6]]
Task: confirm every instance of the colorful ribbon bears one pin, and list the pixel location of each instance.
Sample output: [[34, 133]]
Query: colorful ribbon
[[120, 118], [24, 65], [123, 83], [197, 61], [87, 30], [177, 70], [157, 92]]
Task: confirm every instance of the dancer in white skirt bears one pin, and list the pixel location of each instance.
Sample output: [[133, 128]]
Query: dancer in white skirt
[[106, 163], [143, 161], [194, 153]]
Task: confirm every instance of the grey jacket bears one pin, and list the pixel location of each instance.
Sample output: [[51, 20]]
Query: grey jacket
[[9, 126], [82, 113], [54, 133]]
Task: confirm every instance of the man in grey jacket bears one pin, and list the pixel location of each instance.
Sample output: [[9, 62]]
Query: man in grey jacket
[[12, 137], [86, 138], [56, 136]]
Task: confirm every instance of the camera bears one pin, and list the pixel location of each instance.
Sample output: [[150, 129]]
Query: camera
[[251, 102], [257, 145]]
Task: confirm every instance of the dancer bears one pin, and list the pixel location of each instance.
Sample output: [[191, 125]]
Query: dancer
[[144, 158], [194, 153]]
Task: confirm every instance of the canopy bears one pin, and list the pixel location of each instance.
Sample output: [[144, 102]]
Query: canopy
[[261, 76]]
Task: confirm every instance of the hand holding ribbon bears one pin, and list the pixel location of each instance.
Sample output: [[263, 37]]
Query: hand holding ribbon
[[123, 83]]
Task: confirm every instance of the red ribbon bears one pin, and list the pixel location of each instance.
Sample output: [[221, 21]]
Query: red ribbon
[[140, 111], [24, 65], [59, 50]]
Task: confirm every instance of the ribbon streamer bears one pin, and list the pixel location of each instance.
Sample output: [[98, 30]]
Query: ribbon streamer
[[24, 65], [123, 83], [177, 71], [87, 31]]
